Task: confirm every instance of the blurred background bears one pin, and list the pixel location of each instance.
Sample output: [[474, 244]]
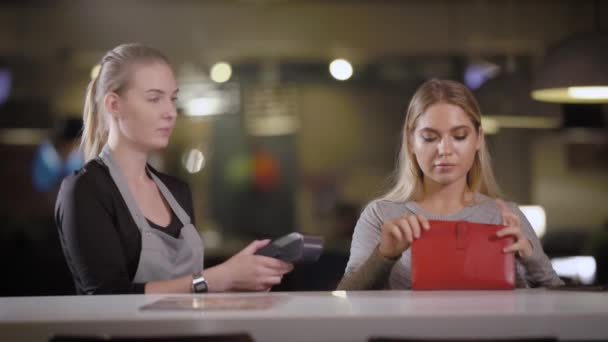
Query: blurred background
[[291, 112]]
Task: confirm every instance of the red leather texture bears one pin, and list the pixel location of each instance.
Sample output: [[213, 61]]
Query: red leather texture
[[459, 255]]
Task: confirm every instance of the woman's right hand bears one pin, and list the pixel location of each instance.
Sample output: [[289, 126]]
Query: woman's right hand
[[399, 233], [250, 272]]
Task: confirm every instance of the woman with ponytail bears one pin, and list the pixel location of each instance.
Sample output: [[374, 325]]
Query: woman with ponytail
[[444, 173], [124, 226]]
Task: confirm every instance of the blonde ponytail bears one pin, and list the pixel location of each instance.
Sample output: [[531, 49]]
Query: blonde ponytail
[[113, 76], [92, 141]]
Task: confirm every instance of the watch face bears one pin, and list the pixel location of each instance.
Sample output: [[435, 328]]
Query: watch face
[[199, 285]]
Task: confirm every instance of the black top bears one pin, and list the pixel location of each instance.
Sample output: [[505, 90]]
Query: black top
[[174, 227], [101, 241]]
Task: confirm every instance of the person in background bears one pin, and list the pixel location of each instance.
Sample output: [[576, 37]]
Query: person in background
[[444, 173], [57, 156], [124, 226]]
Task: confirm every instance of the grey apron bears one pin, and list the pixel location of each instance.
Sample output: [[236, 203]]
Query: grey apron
[[162, 257]]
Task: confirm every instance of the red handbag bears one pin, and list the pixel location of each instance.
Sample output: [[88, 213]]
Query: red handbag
[[459, 255]]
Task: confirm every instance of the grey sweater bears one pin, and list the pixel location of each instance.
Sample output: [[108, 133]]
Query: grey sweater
[[368, 270]]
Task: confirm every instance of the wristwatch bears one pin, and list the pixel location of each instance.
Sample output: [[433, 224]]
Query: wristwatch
[[199, 284]]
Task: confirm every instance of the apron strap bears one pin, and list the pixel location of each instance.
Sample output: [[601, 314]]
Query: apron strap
[[140, 219], [179, 211], [121, 183]]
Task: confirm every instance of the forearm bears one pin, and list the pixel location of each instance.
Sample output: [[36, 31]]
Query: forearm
[[217, 281], [178, 285], [539, 271], [373, 274]]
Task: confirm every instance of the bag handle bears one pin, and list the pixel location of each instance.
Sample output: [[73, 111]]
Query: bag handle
[[462, 230]]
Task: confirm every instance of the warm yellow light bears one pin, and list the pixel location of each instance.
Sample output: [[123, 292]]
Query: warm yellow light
[[493, 123], [589, 94], [490, 126], [599, 93], [22, 136], [341, 69], [194, 161], [221, 72], [95, 71]]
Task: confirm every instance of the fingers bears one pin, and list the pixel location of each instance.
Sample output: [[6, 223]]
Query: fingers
[[504, 211], [265, 282], [512, 248], [393, 242], [509, 218], [504, 208], [256, 272], [264, 287], [394, 231], [399, 233], [272, 263], [406, 230], [515, 247], [514, 231], [414, 225], [272, 280], [514, 219], [261, 278], [264, 272], [522, 245], [425, 222], [254, 247]]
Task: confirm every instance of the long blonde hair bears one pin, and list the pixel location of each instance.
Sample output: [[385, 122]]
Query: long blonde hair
[[113, 77], [408, 178]]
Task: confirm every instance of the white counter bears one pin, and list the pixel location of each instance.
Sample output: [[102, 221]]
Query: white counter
[[321, 316]]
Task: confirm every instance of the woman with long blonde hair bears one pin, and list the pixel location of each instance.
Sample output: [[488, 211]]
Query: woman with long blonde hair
[[124, 226], [444, 172]]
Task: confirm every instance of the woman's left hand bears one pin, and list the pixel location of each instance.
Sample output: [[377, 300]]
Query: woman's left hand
[[511, 220]]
